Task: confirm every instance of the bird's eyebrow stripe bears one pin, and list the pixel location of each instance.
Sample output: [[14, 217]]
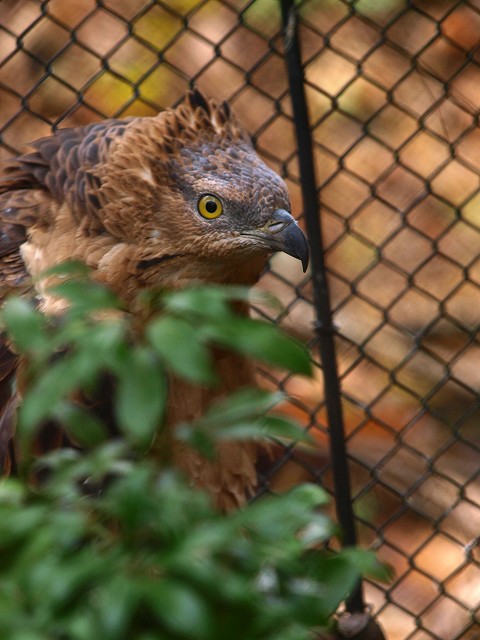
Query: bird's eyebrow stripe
[[145, 264]]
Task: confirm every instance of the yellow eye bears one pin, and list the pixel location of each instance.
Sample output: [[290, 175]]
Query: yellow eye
[[210, 207]]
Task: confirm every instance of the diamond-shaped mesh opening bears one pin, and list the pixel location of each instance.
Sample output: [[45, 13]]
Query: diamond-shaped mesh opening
[[393, 90]]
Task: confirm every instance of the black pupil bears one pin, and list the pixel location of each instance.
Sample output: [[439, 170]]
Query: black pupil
[[211, 206]]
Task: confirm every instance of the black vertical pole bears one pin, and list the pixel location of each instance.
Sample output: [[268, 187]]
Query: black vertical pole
[[323, 326]]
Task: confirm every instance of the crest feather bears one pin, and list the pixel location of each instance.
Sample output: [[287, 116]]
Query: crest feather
[[196, 100], [199, 117]]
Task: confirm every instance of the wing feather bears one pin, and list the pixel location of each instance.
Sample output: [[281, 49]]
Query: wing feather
[[61, 169], [8, 403]]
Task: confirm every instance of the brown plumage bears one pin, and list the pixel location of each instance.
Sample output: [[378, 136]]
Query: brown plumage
[[147, 203]]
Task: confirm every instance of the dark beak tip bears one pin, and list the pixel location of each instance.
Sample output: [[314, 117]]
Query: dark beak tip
[[305, 261], [295, 244], [289, 238]]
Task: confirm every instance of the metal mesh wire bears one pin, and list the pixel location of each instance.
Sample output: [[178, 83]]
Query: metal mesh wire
[[393, 89]]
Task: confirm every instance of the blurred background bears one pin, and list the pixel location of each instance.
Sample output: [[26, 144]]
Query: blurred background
[[393, 88]]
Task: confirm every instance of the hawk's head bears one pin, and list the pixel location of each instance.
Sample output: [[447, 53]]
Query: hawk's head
[[199, 202]]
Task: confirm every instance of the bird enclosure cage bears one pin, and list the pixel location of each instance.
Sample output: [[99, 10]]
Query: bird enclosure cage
[[393, 91]]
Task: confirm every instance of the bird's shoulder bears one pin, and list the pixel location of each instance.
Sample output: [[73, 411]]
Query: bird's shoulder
[[62, 167]]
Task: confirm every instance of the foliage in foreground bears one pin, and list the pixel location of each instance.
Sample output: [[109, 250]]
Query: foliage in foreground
[[111, 547]]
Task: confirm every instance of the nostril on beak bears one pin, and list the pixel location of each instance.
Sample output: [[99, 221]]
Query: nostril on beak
[[275, 226]]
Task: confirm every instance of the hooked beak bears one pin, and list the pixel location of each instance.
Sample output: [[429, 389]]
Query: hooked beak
[[282, 233]]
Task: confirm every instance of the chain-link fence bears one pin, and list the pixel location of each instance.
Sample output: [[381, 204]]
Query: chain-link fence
[[393, 89]]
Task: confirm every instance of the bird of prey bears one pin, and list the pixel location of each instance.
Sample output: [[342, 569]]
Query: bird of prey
[[146, 203]]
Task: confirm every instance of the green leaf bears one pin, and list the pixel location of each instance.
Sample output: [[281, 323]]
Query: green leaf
[[180, 346], [26, 325], [181, 609], [52, 386], [295, 631], [317, 531], [309, 495], [86, 296], [241, 406], [202, 442], [261, 341], [82, 425], [240, 416], [337, 576], [106, 344], [12, 492], [276, 426], [141, 396], [68, 268], [117, 600], [367, 564], [206, 301], [281, 518], [262, 427]]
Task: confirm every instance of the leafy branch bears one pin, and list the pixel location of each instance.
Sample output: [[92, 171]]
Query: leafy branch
[[110, 545]]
